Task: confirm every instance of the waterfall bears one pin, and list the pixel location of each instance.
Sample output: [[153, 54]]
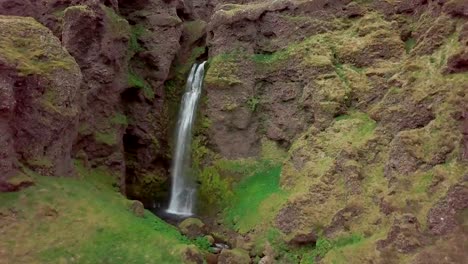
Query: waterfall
[[183, 193]]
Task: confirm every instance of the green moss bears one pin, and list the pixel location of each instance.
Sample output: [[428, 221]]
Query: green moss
[[41, 162], [194, 30], [255, 199], [253, 103], [32, 48], [410, 44], [135, 80], [106, 138], [119, 119], [89, 218], [118, 25], [214, 189], [149, 184], [135, 33], [224, 70]]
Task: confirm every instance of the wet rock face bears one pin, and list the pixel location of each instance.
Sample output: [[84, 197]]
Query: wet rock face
[[40, 97]]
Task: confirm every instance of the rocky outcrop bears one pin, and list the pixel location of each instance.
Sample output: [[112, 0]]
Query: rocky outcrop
[[40, 95], [125, 51], [367, 98]]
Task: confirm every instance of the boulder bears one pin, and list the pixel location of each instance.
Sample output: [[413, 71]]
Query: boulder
[[137, 208], [234, 256], [192, 255], [192, 227]]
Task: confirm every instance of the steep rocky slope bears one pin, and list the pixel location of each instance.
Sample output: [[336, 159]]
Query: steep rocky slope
[[369, 100]]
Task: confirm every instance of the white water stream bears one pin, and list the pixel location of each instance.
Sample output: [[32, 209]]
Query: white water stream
[[183, 193]]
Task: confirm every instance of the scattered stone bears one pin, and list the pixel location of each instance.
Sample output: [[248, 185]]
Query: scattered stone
[[137, 208], [218, 247], [192, 227]]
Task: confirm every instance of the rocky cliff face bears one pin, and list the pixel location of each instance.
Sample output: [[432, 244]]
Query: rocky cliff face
[[369, 101], [118, 119], [361, 104], [40, 97]]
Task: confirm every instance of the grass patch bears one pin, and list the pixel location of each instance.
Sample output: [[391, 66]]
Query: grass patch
[[223, 69], [253, 197], [120, 119], [82, 220], [409, 45], [106, 138], [37, 52]]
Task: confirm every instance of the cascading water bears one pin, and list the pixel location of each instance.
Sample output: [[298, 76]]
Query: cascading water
[[183, 185]]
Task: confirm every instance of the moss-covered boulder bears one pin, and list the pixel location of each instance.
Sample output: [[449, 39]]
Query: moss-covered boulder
[[234, 256], [192, 227], [40, 98]]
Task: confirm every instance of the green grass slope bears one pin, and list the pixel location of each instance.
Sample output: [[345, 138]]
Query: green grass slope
[[82, 220]]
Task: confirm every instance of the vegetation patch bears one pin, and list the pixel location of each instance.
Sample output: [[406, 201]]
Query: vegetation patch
[[109, 138], [135, 33], [135, 80], [32, 48], [224, 70], [119, 119], [118, 25], [90, 222], [254, 198]]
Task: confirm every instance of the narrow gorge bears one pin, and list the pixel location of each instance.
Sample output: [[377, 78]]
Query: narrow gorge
[[233, 131]]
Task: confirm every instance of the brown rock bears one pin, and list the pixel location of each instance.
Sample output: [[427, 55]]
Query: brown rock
[[456, 8], [40, 99], [458, 63], [342, 219], [442, 217], [303, 239], [137, 208], [192, 227], [404, 236], [192, 255]]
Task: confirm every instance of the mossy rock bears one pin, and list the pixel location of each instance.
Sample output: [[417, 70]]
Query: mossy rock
[[224, 70], [30, 47], [234, 256], [192, 227]]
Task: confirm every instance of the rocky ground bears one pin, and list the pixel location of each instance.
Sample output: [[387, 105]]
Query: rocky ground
[[330, 131]]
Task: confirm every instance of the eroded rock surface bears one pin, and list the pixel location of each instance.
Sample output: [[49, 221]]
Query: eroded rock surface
[[40, 99]]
